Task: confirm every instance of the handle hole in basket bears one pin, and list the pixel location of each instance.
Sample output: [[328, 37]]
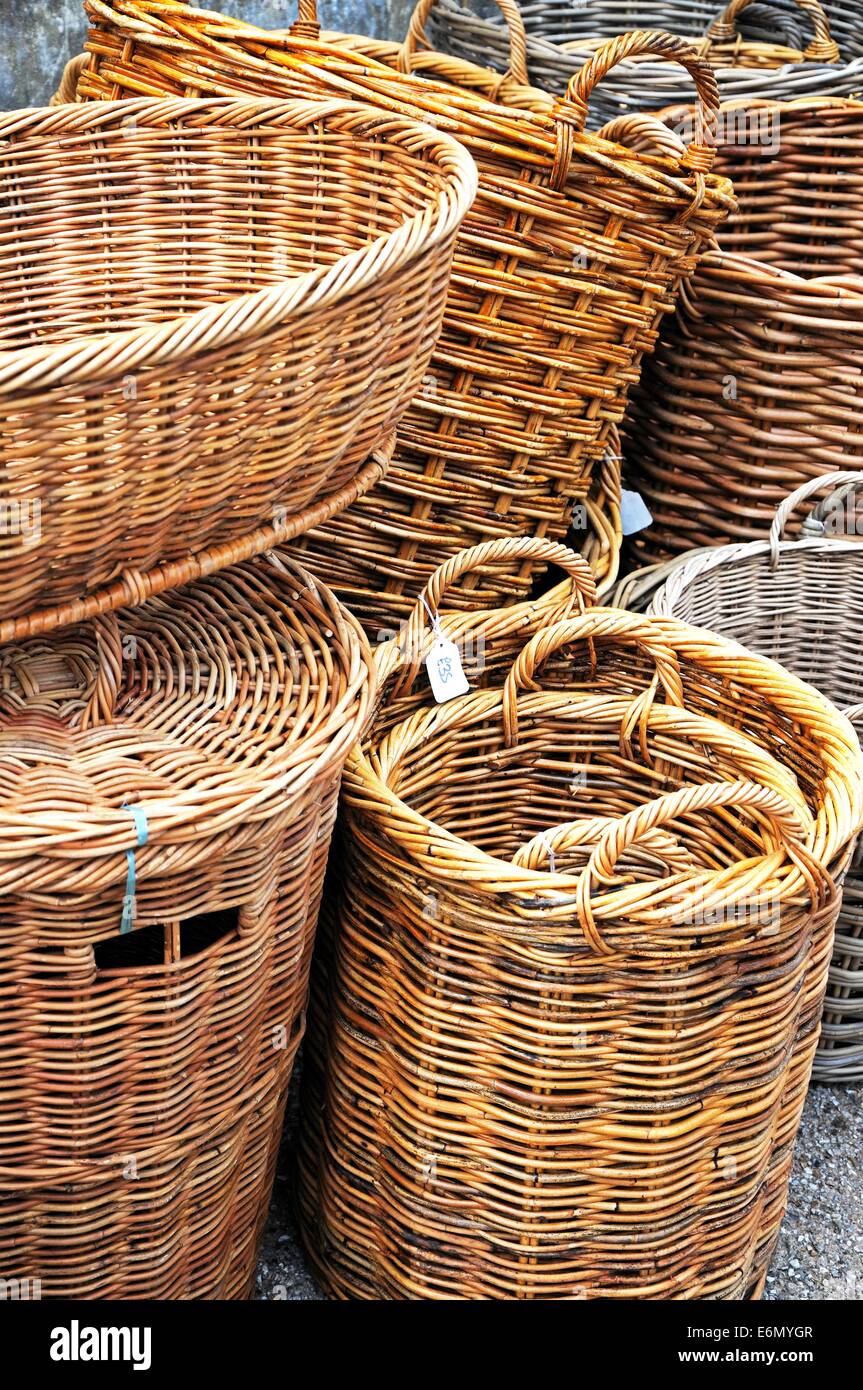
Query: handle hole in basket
[[167, 943]]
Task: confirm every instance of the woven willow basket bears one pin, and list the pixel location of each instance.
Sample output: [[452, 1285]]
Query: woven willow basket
[[169, 781], [778, 49], [190, 343], [572, 1079], [488, 641], [795, 602], [570, 255], [756, 385]]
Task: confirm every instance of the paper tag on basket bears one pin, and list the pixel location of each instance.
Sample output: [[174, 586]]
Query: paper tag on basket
[[447, 677], [634, 515]]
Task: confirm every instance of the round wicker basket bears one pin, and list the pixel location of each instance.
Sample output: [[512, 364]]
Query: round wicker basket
[[574, 994], [169, 783], [756, 385], [795, 601]]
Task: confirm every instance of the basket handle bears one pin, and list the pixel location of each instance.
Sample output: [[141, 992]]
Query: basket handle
[[604, 624], [100, 707], [645, 134], [662, 844], [416, 38], [580, 593], [570, 112], [687, 800], [840, 483], [306, 25], [822, 48]]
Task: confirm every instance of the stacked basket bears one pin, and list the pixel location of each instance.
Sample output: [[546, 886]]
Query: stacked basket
[[571, 254], [215, 312], [777, 49], [572, 972]]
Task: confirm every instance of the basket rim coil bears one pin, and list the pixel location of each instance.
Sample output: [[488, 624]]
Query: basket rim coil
[[91, 358], [455, 855]]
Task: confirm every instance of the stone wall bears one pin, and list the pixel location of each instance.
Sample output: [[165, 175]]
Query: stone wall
[[37, 37]]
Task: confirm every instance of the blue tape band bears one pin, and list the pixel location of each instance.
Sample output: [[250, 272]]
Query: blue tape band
[[139, 816]]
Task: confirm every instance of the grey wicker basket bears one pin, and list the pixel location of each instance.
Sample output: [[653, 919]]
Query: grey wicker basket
[[799, 602], [562, 34]]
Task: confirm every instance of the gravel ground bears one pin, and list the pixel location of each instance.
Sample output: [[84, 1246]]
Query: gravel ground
[[820, 1251]]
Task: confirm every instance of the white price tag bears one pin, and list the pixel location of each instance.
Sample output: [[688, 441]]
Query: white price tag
[[446, 675], [634, 515]]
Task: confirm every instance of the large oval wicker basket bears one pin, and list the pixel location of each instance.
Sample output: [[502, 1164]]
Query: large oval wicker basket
[[580, 960], [796, 601], [572, 252], [169, 784], [778, 49], [213, 311]]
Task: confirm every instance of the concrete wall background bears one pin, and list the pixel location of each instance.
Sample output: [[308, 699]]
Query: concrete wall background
[[37, 37]]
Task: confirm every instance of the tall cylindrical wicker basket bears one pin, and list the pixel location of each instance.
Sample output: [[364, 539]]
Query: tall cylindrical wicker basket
[[544, 1076], [176, 771], [755, 385]]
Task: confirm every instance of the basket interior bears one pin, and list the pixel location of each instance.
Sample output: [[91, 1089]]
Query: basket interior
[[806, 614], [466, 781], [123, 227]]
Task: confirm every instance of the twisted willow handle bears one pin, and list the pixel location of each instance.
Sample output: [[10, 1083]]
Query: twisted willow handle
[[306, 25], [605, 624], [645, 134], [581, 593], [571, 112], [688, 800], [822, 48], [416, 38], [661, 844]]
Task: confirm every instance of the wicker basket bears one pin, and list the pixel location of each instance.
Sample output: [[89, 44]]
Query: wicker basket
[[188, 345], [171, 776], [796, 169], [778, 49], [756, 386], [583, 1079], [573, 250], [795, 601]]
